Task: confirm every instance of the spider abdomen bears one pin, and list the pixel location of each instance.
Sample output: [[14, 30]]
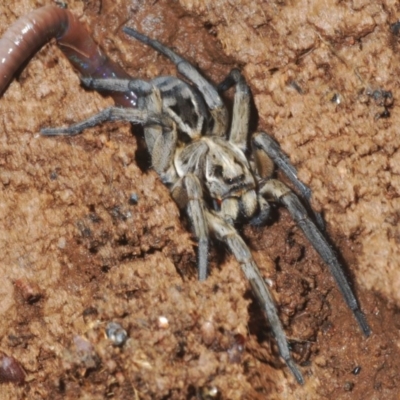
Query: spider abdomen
[[185, 105]]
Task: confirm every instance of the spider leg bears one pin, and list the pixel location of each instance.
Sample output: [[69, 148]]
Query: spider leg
[[163, 152], [187, 192], [262, 141], [263, 215], [241, 108], [138, 86], [148, 99], [281, 193], [108, 84], [210, 94], [227, 234], [110, 114]]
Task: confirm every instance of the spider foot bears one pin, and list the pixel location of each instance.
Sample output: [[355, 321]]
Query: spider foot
[[295, 371], [362, 322], [57, 132]]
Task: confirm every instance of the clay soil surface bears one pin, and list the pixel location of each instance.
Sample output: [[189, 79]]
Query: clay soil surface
[[78, 253]]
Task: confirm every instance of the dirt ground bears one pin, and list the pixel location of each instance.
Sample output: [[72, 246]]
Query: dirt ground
[[78, 253]]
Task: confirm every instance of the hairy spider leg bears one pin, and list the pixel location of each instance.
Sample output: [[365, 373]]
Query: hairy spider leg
[[110, 114], [187, 193], [239, 130], [210, 94], [149, 99], [141, 87], [265, 143], [228, 235], [281, 193]]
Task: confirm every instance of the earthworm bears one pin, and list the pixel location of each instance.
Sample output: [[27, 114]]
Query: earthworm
[[30, 32]]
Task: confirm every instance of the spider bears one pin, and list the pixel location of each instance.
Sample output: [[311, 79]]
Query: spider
[[203, 161]]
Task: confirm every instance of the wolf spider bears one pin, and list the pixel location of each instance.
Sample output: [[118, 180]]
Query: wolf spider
[[207, 171]]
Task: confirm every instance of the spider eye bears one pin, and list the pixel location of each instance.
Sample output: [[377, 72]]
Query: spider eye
[[236, 179], [218, 171]]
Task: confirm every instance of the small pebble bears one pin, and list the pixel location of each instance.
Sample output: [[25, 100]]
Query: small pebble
[[29, 291], [133, 199], [116, 333], [208, 332], [163, 322], [356, 370], [61, 243], [11, 370]]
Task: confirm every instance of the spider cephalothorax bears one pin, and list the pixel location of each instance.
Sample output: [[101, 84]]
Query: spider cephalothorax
[[207, 171]]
